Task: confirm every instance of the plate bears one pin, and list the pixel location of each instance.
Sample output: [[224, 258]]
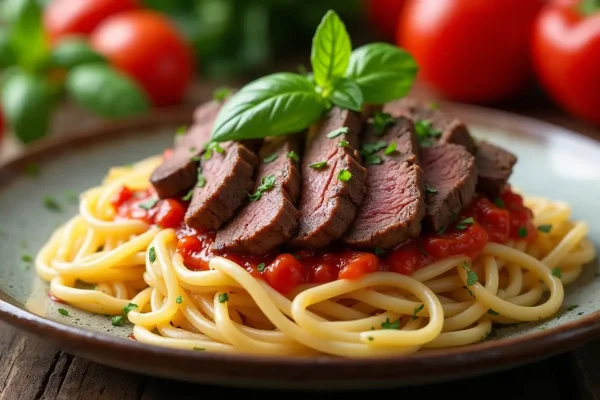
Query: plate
[[553, 162]]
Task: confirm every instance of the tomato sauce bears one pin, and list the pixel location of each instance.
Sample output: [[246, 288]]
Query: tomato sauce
[[483, 221]]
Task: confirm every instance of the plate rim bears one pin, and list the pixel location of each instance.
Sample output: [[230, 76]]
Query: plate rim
[[474, 359]]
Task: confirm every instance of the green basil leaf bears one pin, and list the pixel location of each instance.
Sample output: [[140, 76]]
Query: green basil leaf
[[331, 48], [276, 104], [7, 53], [27, 33], [383, 71], [106, 91], [71, 52], [27, 106], [347, 94]]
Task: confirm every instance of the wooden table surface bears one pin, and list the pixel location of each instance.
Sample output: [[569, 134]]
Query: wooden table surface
[[32, 369]]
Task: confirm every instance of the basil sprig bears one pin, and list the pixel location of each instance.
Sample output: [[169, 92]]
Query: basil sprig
[[285, 103]]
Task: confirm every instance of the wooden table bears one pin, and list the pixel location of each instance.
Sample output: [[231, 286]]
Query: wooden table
[[31, 369]]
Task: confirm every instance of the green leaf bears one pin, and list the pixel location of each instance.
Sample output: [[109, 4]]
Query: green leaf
[[347, 94], [331, 48], [276, 104], [105, 91], [71, 52], [26, 106], [27, 33], [7, 53], [383, 71], [589, 7]]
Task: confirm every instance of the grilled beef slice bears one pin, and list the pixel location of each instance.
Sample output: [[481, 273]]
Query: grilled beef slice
[[328, 204], [394, 204], [494, 166], [449, 130], [228, 177], [451, 176], [262, 225]]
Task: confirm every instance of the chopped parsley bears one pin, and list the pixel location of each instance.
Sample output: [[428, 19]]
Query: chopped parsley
[[492, 312], [26, 258], [152, 254], [261, 267], [417, 310], [337, 132], [117, 320], [462, 225], [545, 228], [422, 250], [129, 307], [221, 93], [179, 300], [381, 121], [343, 143], [270, 158], [64, 312], [51, 204], [498, 202], [434, 105], [372, 159], [522, 232], [318, 165], [33, 170], [181, 130], [223, 298], [379, 251], [192, 149], [430, 189], [211, 147], [387, 324], [188, 196], [572, 307], [266, 183], [293, 156], [148, 204], [198, 349], [371, 338], [196, 158], [557, 272], [391, 149], [201, 180], [426, 132], [472, 277], [371, 148], [344, 175]]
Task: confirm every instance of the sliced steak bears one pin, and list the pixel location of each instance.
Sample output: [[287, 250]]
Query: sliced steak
[[263, 225], [228, 177], [494, 166], [445, 129], [451, 176], [328, 204], [394, 204], [199, 132]]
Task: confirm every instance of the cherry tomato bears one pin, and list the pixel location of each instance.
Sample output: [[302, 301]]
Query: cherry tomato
[[170, 214], [566, 53], [383, 16], [495, 220], [194, 252], [284, 273], [359, 265], [322, 273], [80, 17], [470, 50], [146, 45], [407, 258]]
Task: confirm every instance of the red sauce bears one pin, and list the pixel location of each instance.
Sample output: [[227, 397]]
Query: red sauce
[[481, 222]]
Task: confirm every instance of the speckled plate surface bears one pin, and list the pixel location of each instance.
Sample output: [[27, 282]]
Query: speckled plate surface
[[553, 162]]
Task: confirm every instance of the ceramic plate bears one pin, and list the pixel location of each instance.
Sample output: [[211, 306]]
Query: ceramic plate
[[553, 162]]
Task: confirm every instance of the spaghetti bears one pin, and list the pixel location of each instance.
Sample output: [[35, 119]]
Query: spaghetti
[[135, 269]]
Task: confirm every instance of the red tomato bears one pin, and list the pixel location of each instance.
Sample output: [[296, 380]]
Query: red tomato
[[360, 264], [469, 242], [284, 273], [170, 214], [383, 15], [194, 252], [80, 17], [566, 52], [470, 50], [147, 46]]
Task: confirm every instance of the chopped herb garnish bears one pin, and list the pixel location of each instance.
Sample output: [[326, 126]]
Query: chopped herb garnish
[[129, 307], [372, 159], [337, 132], [33, 170], [441, 230], [196, 158], [472, 277], [201, 180], [270, 158], [23, 244], [192, 149], [210, 147], [381, 121], [188, 196], [181, 130], [390, 324], [343, 143], [344, 175], [293, 156], [391, 149], [26, 258], [117, 320], [371, 338], [379, 251], [522, 232], [417, 310], [64, 312], [51, 204], [198, 349], [422, 250], [434, 105], [148, 204], [179, 300], [492, 312], [152, 254], [221, 93], [430, 189], [557, 272], [545, 228], [223, 298], [426, 131], [462, 225], [371, 148], [261, 267], [498, 202], [572, 307], [266, 183], [318, 165]]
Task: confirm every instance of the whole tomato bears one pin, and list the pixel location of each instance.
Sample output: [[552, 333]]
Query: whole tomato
[[470, 50], [383, 16], [566, 49], [80, 17], [145, 45]]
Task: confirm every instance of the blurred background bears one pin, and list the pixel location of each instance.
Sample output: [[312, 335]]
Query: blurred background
[[96, 61]]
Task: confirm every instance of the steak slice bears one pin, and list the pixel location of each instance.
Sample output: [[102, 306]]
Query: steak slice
[[394, 204], [228, 177], [451, 176], [445, 129], [328, 204], [262, 225], [494, 166]]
